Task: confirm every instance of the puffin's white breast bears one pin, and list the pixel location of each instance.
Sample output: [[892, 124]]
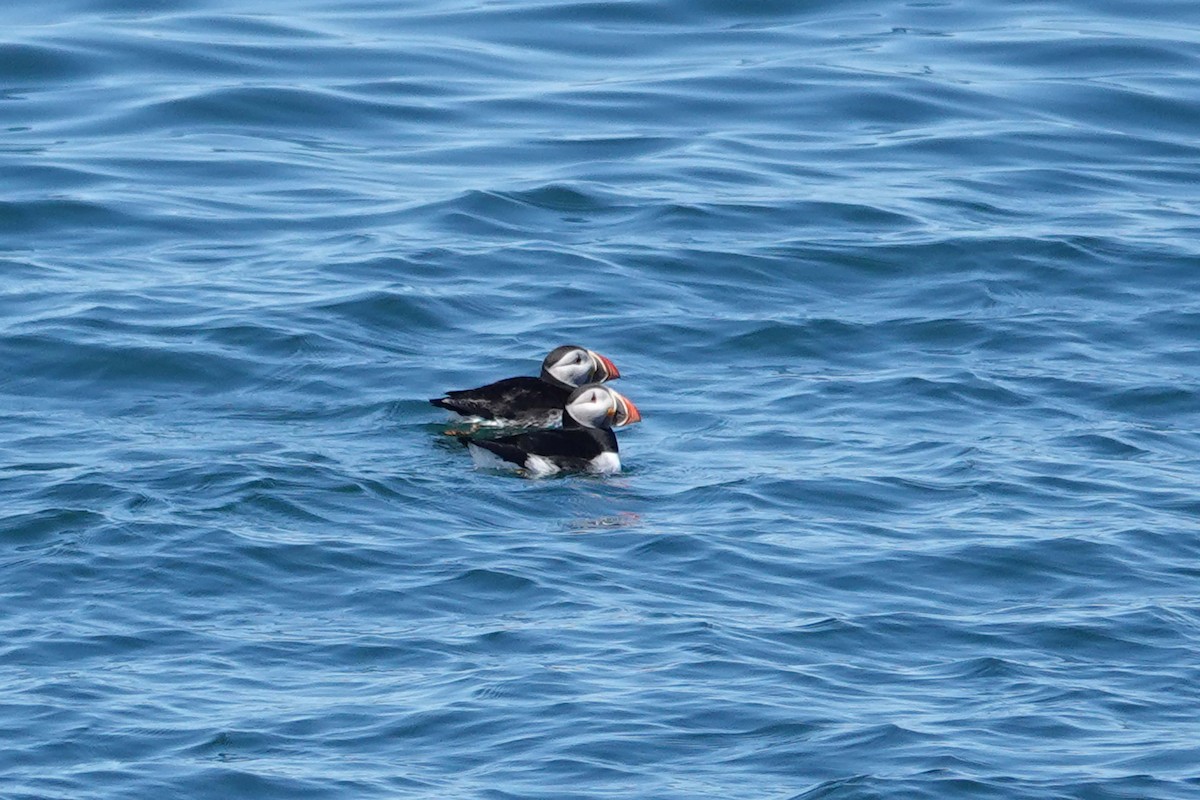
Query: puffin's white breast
[[605, 464]]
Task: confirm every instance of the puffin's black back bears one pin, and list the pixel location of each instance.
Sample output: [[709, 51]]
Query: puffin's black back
[[507, 399]]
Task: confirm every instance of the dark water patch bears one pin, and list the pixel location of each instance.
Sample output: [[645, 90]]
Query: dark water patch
[[1133, 401], [272, 107], [35, 180], [1103, 446], [1148, 113], [516, 211], [571, 199], [128, 366], [50, 524], [221, 781], [502, 590], [385, 310], [26, 65], [32, 217], [1160, 399]]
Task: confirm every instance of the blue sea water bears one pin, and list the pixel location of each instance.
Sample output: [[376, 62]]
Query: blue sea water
[[908, 294]]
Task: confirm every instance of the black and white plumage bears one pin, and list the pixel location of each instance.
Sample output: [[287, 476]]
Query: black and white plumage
[[585, 443], [528, 401]]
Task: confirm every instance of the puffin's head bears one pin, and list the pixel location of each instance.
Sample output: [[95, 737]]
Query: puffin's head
[[594, 405], [570, 366]]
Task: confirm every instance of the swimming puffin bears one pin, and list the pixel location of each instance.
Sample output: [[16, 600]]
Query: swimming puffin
[[585, 443], [533, 402]]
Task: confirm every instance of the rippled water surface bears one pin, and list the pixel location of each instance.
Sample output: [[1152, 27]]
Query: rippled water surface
[[908, 295]]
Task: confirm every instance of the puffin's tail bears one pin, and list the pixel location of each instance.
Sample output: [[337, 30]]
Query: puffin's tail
[[463, 406]]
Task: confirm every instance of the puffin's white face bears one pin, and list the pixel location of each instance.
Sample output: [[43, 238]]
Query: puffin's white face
[[597, 406], [575, 366]]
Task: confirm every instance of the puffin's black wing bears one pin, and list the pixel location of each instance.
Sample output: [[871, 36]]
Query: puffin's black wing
[[570, 447], [506, 399]]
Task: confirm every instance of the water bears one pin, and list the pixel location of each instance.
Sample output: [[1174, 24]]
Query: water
[[908, 296]]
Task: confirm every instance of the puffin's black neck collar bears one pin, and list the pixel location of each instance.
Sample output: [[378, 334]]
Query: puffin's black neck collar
[[553, 381]]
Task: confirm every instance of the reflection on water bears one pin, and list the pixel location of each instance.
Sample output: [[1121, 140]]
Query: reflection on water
[[621, 519]]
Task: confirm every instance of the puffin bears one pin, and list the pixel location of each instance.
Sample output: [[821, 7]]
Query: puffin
[[584, 443], [532, 402]]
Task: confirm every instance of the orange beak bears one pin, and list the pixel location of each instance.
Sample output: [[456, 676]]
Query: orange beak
[[632, 414], [610, 369]]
